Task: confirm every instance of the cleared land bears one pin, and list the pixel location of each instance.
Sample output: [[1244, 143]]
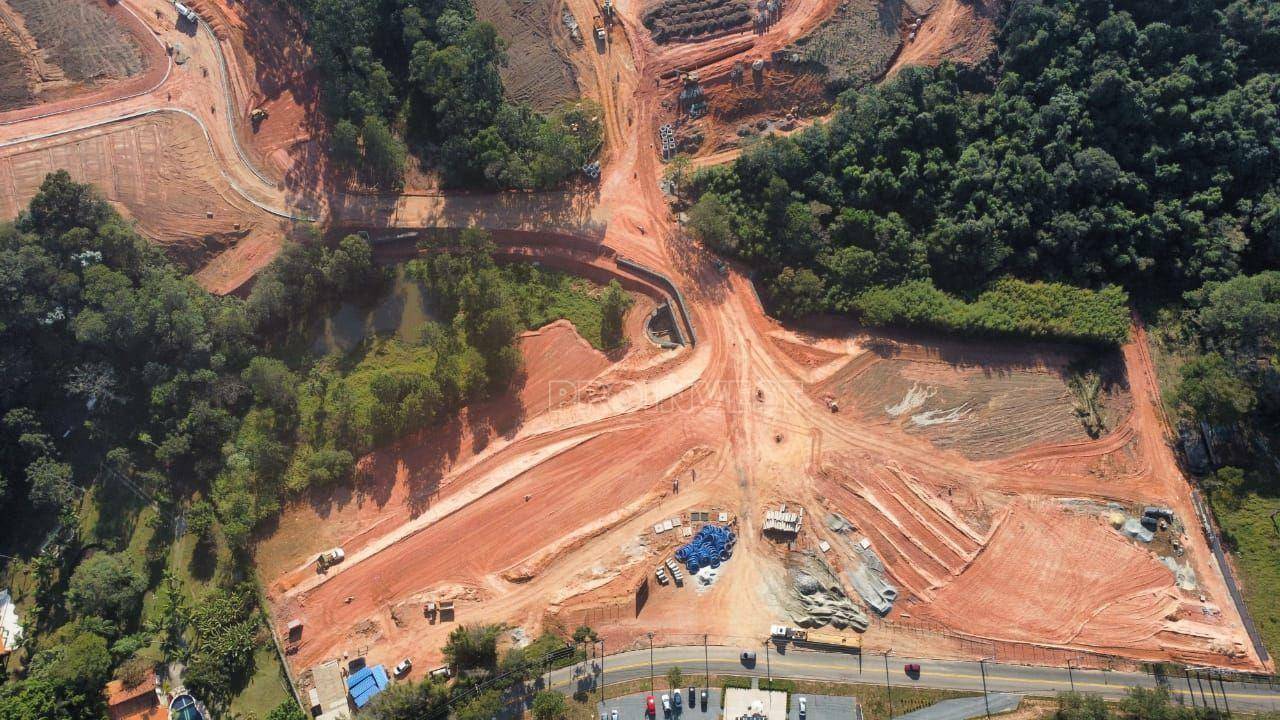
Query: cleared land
[[158, 169], [539, 73], [857, 44], [540, 508], [982, 411], [64, 46]]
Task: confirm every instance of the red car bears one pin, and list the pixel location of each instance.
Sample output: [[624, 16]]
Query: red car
[[912, 668], [650, 709]]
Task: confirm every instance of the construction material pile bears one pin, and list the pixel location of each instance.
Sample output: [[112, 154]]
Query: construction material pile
[[679, 19], [818, 598], [711, 546]]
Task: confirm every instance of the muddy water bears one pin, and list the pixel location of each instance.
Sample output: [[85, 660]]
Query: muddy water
[[400, 312]]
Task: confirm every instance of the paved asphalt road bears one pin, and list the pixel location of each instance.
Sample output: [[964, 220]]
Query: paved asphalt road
[[949, 674]]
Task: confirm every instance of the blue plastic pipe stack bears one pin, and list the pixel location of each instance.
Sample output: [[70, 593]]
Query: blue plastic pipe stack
[[711, 546]]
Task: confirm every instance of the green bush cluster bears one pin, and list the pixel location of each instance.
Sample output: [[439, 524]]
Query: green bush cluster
[[1008, 308]]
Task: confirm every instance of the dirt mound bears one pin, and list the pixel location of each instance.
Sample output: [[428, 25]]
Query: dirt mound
[[78, 37], [539, 73], [558, 361], [857, 44], [684, 19]]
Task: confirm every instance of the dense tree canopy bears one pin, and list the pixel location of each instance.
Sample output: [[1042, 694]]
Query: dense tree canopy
[[1131, 143]]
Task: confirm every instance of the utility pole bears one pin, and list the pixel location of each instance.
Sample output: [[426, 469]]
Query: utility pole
[[986, 698], [888, 689], [706, 665], [768, 668], [1213, 694], [602, 671], [1190, 691], [1070, 677], [650, 662]]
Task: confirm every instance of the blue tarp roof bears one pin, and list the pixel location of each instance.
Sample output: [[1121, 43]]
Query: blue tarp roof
[[365, 683]]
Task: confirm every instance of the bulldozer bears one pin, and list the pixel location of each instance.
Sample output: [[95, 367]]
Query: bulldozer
[[258, 115]]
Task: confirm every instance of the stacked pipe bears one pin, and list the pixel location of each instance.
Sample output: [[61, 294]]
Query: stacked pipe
[[711, 546]]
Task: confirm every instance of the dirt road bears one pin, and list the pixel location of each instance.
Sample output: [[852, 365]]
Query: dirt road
[[539, 509]]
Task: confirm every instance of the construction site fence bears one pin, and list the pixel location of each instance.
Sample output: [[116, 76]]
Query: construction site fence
[[669, 285]]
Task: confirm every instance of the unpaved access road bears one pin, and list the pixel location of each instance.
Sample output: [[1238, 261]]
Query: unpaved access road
[[550, 504]]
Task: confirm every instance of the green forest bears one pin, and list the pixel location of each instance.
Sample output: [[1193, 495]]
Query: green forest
[[421, 76], [152, 430], [1108, 154]]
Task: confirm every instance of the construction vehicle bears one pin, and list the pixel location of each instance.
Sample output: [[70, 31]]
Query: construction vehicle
[[329, 558], [258, 115], [597, 27], [186, 13]]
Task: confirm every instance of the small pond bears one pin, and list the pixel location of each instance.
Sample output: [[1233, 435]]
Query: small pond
[[401, 311]]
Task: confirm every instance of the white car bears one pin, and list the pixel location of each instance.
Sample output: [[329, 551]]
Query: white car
[[405, 666], [614, 715], [804, 708], [666, 704]]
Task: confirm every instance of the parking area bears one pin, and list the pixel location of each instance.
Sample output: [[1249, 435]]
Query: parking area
[[632, 707], [821, 707]]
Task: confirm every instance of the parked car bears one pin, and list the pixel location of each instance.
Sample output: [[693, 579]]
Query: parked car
[[614, 715], [748, 657], [666, 704], [704, 701], [677, 698], [804, 707], [912, 668], [405, 666], [649, 709], [691, 691]]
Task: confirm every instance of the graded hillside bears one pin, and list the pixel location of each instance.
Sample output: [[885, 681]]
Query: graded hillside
[[14, 90], [537, 72], [64, 47]]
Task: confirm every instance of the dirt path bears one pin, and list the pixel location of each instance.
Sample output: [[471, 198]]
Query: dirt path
[[541, 509]]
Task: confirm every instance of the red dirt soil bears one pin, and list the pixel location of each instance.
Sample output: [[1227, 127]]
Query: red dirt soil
[[520, 509]]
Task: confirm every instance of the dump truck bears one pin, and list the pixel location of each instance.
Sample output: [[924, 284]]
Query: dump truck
[[597, 27], [329, 558]]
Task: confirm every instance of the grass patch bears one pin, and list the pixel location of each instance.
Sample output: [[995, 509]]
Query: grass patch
[[1248, 531], [549, 295], [875, 701], [266, 689]]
